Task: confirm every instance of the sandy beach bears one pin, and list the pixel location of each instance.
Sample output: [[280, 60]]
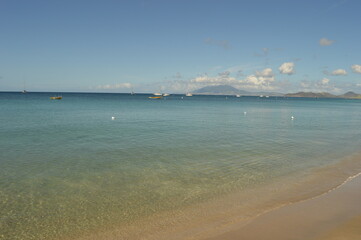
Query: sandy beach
[[303, 210], [334, 215]]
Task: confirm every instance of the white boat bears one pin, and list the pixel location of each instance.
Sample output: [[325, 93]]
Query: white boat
[[157, 94], [165, 94], [189, 94], [24, 91], [238, 95]]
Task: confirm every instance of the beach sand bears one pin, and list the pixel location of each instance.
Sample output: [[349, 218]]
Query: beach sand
[[335, 215], [302, 210]]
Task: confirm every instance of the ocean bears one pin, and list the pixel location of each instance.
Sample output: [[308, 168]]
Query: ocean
[[68, 170]]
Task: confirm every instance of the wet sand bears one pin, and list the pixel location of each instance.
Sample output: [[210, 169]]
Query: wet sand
[[334, 215], [348, 230]]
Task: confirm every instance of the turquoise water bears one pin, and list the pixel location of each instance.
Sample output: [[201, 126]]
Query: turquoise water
[[67, 168]]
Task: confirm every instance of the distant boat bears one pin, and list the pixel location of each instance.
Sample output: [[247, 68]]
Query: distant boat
[[156, 96], [189, 94], [24, 91], [238, 95], [132, 92], [56, 98], [165, 94]]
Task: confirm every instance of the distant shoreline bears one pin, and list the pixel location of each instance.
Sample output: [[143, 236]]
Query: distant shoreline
[[348, 95]]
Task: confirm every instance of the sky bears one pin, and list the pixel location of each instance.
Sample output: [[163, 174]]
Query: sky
[[178, 46]]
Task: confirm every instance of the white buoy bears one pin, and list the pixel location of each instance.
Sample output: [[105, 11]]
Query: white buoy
[[245, 113], [292, 117], [113, 118]]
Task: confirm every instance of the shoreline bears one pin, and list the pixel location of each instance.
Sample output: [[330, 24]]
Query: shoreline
[[231, 215], [334, 215]]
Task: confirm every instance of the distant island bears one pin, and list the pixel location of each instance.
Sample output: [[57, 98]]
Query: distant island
[[229, 90], [324, 95]]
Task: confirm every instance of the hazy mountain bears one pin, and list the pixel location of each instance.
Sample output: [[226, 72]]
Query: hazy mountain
[[323, 95], [220, 89], [350, 95], [229, 90], [311, 95]]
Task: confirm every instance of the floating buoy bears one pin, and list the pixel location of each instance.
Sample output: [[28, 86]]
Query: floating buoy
[[245, 113], [113, 118], [292, 117]]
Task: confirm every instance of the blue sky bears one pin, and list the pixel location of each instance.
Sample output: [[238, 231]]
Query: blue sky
[[179, 46]]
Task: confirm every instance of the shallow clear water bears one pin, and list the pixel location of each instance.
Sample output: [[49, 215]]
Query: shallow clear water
[[67, 167]]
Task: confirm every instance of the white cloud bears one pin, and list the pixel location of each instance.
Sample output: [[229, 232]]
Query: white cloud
[[257, 82], [339, 72], [267, 72], [115, 86], [325, 81], [356, 68], [220, 79], [287, 68], [326, 42], [261, 80]]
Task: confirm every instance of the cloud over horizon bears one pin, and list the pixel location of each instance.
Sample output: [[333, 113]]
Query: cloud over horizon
[[260, 80], [319, 86], [115, 86]]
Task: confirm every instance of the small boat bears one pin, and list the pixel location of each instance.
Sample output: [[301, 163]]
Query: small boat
[[24, 91], [238, 95], [56, 98], [156, 97], [189, 94], [166, 94]]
